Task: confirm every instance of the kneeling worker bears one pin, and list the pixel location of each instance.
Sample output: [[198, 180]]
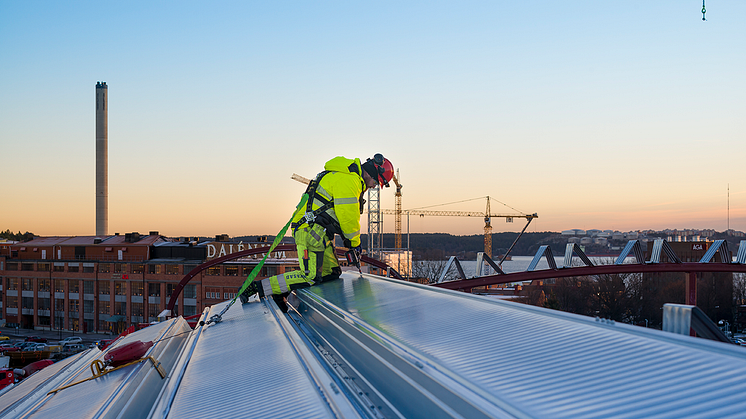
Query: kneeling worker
[[334, 207]]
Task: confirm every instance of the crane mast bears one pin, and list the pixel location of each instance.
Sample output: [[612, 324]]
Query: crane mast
[[397, 236], [487, 231]]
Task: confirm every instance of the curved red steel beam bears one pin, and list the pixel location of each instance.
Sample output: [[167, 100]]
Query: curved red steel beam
[[257, 250], [686, 267]]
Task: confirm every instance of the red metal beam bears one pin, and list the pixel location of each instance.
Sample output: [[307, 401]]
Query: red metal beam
[[688, 267]]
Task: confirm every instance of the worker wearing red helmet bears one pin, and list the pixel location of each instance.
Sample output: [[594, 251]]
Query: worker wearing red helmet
[[334, 207]]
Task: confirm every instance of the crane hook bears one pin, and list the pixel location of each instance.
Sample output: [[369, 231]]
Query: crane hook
[[703, 10]]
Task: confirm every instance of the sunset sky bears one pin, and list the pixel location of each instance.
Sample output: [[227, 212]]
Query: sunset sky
[[611, 115]]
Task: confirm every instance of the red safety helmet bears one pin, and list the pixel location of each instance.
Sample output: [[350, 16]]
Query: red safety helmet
[[383, 169]]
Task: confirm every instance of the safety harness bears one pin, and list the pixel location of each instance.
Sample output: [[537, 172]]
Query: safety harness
[[319, 215], [312, 216]]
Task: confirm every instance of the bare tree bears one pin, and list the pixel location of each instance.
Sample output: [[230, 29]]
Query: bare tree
[[739, 300], [612, 297], [432, 270]]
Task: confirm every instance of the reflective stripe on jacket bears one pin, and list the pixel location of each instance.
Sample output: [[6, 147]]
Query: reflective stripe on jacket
[[343, 185], [280, 284]]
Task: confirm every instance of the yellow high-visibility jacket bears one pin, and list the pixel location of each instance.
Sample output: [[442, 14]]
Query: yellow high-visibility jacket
[[343, 185]]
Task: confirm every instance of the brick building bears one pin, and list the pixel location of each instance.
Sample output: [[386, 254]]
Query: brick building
[[105, 284]]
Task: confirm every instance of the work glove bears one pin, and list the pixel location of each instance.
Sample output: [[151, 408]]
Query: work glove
[[252, 289], [358, 251]]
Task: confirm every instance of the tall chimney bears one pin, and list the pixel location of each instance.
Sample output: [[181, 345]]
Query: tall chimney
[[102, 159]]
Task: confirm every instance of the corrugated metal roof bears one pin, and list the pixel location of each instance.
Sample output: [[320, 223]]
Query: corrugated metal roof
[[127, 392], [246, 366], [365, 346], [44, 241], [540, 363]]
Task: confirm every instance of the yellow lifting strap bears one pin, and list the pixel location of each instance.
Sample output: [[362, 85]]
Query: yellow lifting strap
[[98, 369]]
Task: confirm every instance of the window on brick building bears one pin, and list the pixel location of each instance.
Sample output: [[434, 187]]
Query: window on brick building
[[231, 270], [213, 271], [43, 267], [212, 293], [43, 303], [172, 269], [73, 267], [12, 283], [103, 307], [104, 267], [138, 268], [153, 311], [27, 302], [154, 290], [190, 291], [74, 306], [87, 287], [59, 267], [104, 287], [137, 309], [136, 289], [120, 288], [154, 269], [44, 285], [120, 308], [12, 302], [87, 306], [74, 286], [59, 285], [27, 284], [120, 268], [169, 291], [189, 311]]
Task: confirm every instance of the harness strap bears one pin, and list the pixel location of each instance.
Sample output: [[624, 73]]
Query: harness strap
[[311, 214]]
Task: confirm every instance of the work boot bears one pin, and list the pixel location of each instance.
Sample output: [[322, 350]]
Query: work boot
[[252, 289]]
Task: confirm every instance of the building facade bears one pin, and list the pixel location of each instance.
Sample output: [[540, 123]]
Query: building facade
[[95, 284]]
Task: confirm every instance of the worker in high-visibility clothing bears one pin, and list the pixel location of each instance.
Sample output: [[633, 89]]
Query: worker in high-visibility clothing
[[335, 203]]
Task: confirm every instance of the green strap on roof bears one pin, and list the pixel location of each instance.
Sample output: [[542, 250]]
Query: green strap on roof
[[257, 268]]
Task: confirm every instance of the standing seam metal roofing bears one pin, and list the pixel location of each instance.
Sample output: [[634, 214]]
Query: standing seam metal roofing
[[421, 351], [246, 366], [127, 392], [546, 363]]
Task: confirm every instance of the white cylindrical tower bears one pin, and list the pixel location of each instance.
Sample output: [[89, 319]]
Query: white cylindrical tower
[[102, 160]]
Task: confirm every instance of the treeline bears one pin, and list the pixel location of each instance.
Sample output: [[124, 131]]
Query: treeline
[[20, 237]]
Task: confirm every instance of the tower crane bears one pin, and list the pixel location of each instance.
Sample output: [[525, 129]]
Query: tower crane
[[487, 216], [397, 211]]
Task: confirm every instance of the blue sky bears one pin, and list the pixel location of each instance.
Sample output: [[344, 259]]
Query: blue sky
[[610, 115]]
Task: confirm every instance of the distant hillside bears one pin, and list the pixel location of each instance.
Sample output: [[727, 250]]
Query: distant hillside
[[432, 246]]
